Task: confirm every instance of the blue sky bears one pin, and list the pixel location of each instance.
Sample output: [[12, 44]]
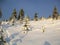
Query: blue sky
[[42, 7]]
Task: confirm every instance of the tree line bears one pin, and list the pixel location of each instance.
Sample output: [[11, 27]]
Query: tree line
[[21, 15]]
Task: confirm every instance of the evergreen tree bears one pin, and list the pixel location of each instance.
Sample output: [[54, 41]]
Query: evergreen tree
[[21, 14], [55, 13], [0, 16], [36, 17], [14, 15], [27, 18], [0, 13]]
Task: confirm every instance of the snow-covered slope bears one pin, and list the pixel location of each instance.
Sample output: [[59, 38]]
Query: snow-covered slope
[[45, 32]]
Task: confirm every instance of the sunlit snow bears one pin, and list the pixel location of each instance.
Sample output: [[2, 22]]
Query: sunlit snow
[[40, 32]]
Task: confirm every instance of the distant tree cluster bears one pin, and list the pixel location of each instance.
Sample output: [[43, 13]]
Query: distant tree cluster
[[21, 15]]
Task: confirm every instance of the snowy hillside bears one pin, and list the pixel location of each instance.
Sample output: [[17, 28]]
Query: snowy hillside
[[45, 32]]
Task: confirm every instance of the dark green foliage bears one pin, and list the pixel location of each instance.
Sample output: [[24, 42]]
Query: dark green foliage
[[0, 13], [18, 17], [55, 13], [36, 17], [14, 14], [21, 14]]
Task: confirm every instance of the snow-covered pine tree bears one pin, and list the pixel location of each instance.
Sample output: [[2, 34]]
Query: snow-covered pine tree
[[13, 16], [0, 16], [36, 17], [21, 15], [55, 13], [42, 18], [26, 18], [26, 24], [0, 13]]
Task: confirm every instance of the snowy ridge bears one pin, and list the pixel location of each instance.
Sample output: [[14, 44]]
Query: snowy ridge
[[45, 32]]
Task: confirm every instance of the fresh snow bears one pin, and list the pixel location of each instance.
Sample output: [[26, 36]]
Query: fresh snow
[[41, 32]]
